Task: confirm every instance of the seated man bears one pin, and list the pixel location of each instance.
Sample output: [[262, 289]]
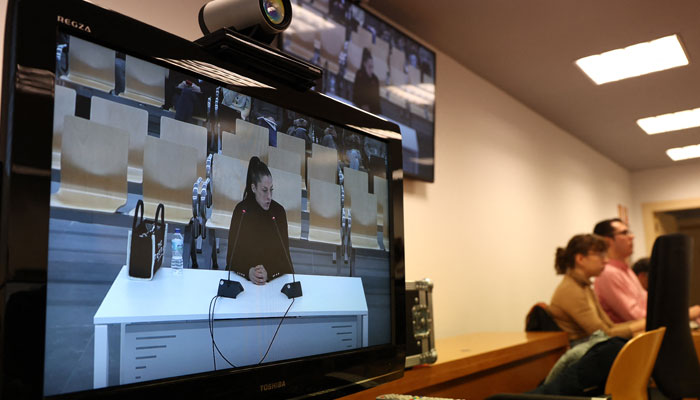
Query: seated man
[[619, 291]]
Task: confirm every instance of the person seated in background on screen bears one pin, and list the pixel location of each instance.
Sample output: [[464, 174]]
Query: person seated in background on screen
[[619, 291], [641, 269], [353, 156], [574, 306], [365, 91], [258, 242]]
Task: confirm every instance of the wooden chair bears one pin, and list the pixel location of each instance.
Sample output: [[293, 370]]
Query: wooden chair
[[629, 375], [187, 134], [169, 173], [324, 212], [258, 137], [355, 183], [144, 82], [363, 231], [302, 37], [297, 146], [332, 41], [287, 192], [64, 104], [131, 119], [228, 183], [94, 161], [284, 160], [323, 163], [90, 65], [238, 147], [381, 190]]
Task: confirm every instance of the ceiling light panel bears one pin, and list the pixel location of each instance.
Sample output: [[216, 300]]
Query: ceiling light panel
[[684, 153], [670, 122], [635, 60]]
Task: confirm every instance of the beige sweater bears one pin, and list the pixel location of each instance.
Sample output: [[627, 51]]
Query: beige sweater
[[577, 311]]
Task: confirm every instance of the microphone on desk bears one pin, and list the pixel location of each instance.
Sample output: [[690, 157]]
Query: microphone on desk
[[292, 289], [227, 287]]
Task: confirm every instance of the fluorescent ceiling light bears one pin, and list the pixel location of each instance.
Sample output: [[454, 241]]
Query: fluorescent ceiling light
[[684, 153], [670, 122], [638, 59]]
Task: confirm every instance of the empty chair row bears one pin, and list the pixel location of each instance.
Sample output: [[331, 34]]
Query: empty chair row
[[94, 66], [132, 120]]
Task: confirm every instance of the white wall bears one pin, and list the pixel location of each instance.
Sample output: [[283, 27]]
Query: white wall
[[509, 187]]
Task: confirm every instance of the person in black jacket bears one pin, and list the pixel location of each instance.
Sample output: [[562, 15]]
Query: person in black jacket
[[258, 242], [366, 86]]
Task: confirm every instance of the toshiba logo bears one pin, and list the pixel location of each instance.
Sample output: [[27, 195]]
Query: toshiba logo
[[74, 24]]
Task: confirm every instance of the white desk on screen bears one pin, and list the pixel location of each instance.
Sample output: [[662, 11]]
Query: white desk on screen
[[165, 327]]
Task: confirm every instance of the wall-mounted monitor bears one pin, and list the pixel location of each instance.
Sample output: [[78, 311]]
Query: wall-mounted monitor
[[104, 119], [374, 66]]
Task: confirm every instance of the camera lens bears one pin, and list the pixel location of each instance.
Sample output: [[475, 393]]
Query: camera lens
[[274, 11]]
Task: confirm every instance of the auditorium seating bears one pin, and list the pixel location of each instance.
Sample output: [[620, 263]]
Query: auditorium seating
[[332, 41], [302, 37], [228, 184], [381, 191], [93, 166], [144, 82], [257, 136], [297, 146], [90, 65], [169, 173], [284, 160], [187, 134], [322, 169], [131, 119], [354, 182], [287, 192], [64, 104], [324, 212], [363, 231]]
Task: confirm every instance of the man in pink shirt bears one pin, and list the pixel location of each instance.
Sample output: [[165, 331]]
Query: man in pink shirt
[[622, 296], [619, 291]]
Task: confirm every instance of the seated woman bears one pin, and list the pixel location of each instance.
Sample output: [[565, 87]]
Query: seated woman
[[574, 305], [258, 242]]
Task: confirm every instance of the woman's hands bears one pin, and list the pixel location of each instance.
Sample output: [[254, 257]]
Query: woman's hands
[[258, 274]]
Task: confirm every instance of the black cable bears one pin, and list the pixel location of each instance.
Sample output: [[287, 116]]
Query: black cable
[[211, 333], [235, 244], [278, 329]]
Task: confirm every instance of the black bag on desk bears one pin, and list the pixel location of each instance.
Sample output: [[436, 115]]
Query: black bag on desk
[[146, 243]]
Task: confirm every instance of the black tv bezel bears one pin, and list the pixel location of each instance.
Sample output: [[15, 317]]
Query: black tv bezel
[[430, 178], [25, 158]]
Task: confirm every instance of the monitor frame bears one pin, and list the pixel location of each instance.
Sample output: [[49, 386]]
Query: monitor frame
[[25, 157]]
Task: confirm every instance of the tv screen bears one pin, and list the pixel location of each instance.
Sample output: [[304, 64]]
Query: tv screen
[[372, 65], [172, 223]]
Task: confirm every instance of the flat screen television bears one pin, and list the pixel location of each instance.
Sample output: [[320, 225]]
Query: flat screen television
[[104, 119], [373, 65]]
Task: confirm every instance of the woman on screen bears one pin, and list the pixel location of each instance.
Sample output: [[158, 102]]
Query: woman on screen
[[258, 243], [574, 306], [366, 87]]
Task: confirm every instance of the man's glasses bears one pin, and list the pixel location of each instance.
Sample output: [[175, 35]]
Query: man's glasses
[[626, 232]]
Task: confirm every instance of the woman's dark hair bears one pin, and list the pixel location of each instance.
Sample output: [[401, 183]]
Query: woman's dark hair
[[579, 244], [256, 170], [366, 54]]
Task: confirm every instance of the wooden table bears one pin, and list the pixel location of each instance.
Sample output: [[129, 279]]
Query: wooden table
[[477, 365]]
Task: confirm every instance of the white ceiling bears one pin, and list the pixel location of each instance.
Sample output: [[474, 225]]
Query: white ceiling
[[528, 49]]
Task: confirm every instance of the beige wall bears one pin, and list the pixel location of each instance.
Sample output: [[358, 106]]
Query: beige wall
[[509, 187]]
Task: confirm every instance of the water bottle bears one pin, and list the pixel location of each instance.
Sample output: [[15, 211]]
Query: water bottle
[[176, 259]]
